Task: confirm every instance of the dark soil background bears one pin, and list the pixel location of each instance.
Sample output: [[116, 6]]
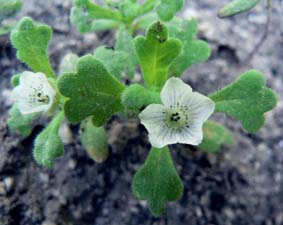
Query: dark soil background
[[242, 185]]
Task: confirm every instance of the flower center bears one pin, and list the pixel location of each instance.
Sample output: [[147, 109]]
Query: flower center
[[176, 119], [37, 97]]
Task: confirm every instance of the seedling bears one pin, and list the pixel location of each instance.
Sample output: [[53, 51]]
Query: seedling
[[89, 91]]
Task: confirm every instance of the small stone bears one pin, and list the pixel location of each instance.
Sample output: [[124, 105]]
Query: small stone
[[72, 164], [46, 222], [9, 183], [65, 134]]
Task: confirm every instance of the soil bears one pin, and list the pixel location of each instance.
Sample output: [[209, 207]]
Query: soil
[[242, 185]]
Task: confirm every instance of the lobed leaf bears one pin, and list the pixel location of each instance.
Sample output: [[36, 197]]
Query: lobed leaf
[[48, 145], [31, 41], [92, 91], [215, 135], [157, 181], [113, 60], [156, 52], [247, 99], [237, 6], [194, 51], [18, 122], [167, 9]]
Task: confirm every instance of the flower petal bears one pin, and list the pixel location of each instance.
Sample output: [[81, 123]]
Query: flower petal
[[199, 107], [174, 91], [152, 117], [191, 136]]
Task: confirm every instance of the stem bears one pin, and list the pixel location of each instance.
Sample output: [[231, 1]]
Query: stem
[[256, 48]]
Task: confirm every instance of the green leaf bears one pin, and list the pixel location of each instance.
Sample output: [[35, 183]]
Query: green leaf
[[85, 22], [129, 9], [32, 40], [69, 63], [113, 60], [157, 181], [125, 43], [194, 51], [247, 99], [10, 7], [20, 123], [95, 141], [135, 97], [168, 8], [215, 135], [145, 21], [237, 6], [91, 91], [156, 52], [85, 12], [48, 145]]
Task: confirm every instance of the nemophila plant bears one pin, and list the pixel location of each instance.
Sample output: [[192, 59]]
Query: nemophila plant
[[89, 90]]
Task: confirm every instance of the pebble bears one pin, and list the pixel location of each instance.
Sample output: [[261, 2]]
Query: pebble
[[46, 222], [9, 183]]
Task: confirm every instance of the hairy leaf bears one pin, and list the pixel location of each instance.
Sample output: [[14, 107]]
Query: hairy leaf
[[156, 52], [237, 6], [95, 141], [135, 97], [168, 8], [48, 145], [113, 60], [91, 91], [215, 135], [18, 122], [125, 44], [194, 51], [157, 181], [32, 40], [247, 99]]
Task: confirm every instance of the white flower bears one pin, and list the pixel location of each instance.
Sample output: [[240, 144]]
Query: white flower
[[34, 93], [180, 118]]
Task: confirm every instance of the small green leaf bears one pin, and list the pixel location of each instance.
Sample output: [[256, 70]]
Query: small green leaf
[[48, 145], [247, 99], [168, 8], [215, 135], [125, 43], [91, 91], [113, 60], [157, 181], [85, 22], [129, 9], [135, 97], [18, 122], [69, 63], [156, 52], [32, 40], [95, 141], [194, 51], [237, 6], [15, 80], [85, 12], [10, 7]]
